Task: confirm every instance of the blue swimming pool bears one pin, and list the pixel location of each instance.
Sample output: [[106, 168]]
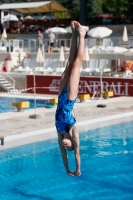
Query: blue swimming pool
[[6, 103], [36, 171]]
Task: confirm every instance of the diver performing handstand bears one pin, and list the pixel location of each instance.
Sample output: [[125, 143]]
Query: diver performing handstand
[[68, 137]]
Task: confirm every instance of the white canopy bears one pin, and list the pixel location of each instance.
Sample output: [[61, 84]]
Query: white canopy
[[10, 17], [34, 7]]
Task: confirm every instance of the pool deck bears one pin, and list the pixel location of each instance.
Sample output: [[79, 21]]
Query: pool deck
[[19, 129]]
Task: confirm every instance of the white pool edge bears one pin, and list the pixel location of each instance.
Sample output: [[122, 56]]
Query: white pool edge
[[53, 129]]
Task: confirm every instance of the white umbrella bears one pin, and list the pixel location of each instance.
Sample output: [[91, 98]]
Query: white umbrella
[[99, 32], [10, 17], [39, 57], [125, 37], [57, 30], [4, 35], [48, 17], [86, 56], [69, 30], [28, 17], [61, 57]]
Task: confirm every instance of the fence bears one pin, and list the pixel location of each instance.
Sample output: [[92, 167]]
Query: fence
[[30, 45]]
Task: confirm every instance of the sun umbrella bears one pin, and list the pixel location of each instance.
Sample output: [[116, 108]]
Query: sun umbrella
[[125, 37], [4, 35], [69, 30], [99, 32], [48, 17], [61, 57], [29, 17], [10, 17], [86, 56], [39, 57], [57, 30]]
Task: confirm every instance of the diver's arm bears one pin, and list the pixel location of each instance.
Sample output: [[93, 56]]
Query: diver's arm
[[64, 155], [75, 136]]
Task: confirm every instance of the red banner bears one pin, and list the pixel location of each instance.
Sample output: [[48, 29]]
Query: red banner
[[87, 85]]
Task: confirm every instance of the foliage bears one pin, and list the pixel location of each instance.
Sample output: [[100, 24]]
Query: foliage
[[94, 7], [72, 6], [11, 36], [115, 7]]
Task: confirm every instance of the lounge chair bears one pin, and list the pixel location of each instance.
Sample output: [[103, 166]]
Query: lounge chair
[[16, 45], [23, 70], [28, 66], [47, 66], [106, 42], [39, 69], [91, 44], [60, 70], [3, 48], [115, 42], [55, 64], [103, 66], [93, 64]]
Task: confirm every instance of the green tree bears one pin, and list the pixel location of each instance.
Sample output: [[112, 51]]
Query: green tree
[[115, 7], [72, 6], [129, 10], [94, 8]]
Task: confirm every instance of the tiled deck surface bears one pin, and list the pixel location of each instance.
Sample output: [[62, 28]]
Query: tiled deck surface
[[19, 129]]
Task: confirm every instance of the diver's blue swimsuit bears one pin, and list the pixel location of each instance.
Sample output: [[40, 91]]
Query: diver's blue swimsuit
[[64, 119]]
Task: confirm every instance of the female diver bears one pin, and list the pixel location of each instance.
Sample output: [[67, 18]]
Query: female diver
[[68, 137]]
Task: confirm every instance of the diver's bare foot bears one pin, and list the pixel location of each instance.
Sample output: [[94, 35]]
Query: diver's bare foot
[[73, 25], [81, 31]]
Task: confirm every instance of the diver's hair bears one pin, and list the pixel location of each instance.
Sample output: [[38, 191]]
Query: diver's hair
[[72, 148]]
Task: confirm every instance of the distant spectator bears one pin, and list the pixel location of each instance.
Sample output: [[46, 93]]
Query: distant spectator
[[5, 26], [39, 39], [1, 27], [51, 39], [20, 29]]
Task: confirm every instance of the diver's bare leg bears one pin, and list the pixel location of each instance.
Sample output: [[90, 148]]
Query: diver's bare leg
[[73, 52], [73, 83]]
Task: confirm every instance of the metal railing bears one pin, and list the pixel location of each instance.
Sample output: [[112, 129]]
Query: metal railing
[[30, 45], [10, 78]]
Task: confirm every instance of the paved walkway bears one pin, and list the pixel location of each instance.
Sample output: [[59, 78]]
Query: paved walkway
[[19, 129]]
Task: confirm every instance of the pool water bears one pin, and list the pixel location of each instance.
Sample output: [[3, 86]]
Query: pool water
[[6, 104], [36, 171]]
